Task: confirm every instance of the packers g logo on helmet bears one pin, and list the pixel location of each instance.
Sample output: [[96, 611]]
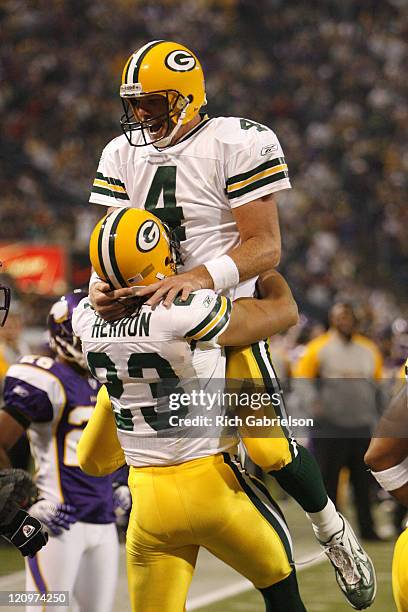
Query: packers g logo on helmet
[[130, 247], [180, 61], [166, 69], [148, 236]]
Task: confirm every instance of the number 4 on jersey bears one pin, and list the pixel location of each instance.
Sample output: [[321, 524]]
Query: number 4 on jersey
[[246, 124], [164, 181]]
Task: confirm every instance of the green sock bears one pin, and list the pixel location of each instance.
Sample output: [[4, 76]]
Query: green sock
[[303, 481], [283, 595]]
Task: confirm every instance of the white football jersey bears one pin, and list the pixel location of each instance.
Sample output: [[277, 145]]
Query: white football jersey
[[193, 185], [161, 368]]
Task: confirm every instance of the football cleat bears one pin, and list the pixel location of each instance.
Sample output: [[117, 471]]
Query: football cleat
[[355, 573]]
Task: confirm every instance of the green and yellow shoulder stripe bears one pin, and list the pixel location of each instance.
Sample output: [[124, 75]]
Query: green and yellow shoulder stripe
[[213, 323], [109, 186], [268, 172]]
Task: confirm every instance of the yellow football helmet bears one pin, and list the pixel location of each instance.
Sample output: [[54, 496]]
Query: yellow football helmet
[[131, 247], [165, 69]]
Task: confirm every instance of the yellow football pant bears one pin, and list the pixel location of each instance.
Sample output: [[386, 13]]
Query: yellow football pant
[[208, 502], [400, 572], [99, 452], [272, 450]]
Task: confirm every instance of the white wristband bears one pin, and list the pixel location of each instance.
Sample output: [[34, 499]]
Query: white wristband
[[224, 272], [394, 477], [94, 279]]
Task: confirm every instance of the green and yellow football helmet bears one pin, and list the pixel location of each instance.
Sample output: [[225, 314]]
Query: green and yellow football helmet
[[131, 247], [167, 69]]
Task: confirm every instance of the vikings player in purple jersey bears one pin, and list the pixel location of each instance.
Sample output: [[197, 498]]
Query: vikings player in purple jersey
[[53, 398]]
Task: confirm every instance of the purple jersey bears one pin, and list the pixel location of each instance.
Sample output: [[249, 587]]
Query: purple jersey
[[55, 402]]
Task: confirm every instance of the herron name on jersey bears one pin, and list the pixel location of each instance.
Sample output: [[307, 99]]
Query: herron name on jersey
[[54, 403], [145, 360], [193, 185]]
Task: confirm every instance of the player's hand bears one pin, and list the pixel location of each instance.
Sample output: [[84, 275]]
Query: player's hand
[[180, 284], [122, 498], [122, 502], [56, 517], [26, 533], [110, 305]]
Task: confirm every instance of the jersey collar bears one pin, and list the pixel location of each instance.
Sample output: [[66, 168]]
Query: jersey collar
[[204, 120], [152, 151]]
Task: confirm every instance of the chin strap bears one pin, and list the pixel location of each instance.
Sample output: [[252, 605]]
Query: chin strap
[[166, 141]]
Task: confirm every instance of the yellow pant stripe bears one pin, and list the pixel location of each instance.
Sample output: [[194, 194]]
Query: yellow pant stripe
[[262, 500]]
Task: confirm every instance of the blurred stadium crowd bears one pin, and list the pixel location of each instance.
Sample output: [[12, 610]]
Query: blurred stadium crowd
[[326, 76]]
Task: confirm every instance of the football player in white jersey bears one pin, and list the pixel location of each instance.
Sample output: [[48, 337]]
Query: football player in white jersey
[[52, 399], [188, 488], [213, 180]]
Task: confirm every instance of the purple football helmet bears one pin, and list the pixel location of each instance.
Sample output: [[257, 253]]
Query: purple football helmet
[[62, 338]]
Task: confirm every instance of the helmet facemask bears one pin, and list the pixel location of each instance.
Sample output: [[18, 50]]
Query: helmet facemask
[[62, 339], [5, 298], [176, 258], [159, 129], [69, 349]]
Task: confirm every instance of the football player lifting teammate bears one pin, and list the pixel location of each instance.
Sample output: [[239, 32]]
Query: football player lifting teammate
[[214, 182], [188, 487]]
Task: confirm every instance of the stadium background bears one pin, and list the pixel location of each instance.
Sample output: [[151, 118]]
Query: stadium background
[[326, 76]]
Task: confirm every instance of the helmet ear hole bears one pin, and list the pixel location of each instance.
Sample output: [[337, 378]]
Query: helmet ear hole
[[167, 261]]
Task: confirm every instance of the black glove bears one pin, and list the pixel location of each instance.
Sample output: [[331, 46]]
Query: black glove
[[25, 532]]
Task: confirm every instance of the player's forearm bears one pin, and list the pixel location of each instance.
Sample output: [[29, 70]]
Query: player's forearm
[[252, 320], [255, 256], [388, 462], [385, 452], [258, 226], [277, 300], [275, 316], [272, 287], [387, 459], [10, 431], [401, 495], [4, 459]]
